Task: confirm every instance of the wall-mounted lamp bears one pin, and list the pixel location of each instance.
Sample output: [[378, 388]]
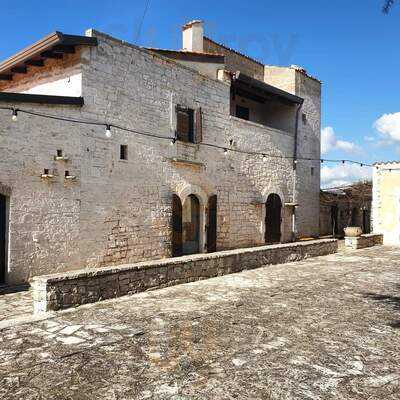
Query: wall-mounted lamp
[[46, 174], [69, 177], [60, 156]]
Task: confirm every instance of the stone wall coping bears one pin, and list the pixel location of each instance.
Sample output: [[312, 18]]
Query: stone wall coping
[[365, 235], [93, 272]]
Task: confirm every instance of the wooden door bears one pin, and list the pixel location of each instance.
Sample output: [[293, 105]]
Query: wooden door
[[273, 219], [3, 238], [212, 225], [176, 226]]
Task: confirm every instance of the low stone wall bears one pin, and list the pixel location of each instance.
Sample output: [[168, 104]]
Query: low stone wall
[[70, 289], [363, 241]]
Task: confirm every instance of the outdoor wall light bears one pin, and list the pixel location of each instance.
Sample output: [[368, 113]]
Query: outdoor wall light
[[14, 116], [46, 174], [60, 156], [69, 177]]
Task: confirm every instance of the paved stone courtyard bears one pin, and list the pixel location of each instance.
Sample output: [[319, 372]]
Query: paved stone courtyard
[[15, 303], [323, 328]]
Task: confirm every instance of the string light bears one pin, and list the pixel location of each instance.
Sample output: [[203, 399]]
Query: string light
[[108, 131], [173, 140]]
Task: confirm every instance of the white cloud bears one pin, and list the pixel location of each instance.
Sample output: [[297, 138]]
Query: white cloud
[[369, 138], [388, 125], [343, 174], [330, 142]]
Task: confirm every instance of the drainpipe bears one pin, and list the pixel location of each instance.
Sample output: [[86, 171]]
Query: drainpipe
[[296, 130]]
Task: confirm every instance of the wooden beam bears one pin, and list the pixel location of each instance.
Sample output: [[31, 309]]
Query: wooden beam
[[63, 49], [50, 54], [35, 63], [5, 77], [40, 99], [19, 70]]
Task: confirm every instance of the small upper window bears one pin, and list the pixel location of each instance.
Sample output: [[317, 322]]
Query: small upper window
[[185, 124], [123, 152], [242, 112], [304, 118]]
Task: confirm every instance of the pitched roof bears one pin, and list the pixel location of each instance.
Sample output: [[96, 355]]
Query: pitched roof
[[51, 46], [189, 55]]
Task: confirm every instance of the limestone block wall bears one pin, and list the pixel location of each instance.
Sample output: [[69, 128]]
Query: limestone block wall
[[44, 215], [119, 211], [235, 61], [308, 145], [363, 241], [386, 202], [60, 291]]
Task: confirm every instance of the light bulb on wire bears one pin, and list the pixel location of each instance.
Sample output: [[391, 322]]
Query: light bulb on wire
[[108, 131], [14, 116]]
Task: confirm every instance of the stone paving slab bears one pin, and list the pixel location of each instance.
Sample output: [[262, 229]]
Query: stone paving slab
[[324, 328], [15, 302]]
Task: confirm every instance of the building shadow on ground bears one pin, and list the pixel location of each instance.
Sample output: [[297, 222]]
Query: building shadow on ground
[[389, 301], [13, 289]]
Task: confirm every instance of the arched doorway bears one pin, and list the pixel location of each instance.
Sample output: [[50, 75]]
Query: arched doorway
[[273, 219], [191, 225]]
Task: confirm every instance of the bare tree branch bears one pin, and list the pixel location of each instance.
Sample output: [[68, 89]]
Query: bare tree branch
[[388, 6]]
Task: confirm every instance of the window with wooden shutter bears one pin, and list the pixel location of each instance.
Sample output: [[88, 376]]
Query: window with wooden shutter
[[212, 225], [199, 126], [185, 124], [176, 226]]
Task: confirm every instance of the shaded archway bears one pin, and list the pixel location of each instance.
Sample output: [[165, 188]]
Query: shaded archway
[[273, 219], [191, 225]]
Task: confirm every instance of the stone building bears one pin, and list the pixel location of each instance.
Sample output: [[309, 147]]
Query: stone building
[[386, 201], [345, 206], [79, 194]]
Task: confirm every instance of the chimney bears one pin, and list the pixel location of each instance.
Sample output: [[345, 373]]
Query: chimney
[[192, 34]]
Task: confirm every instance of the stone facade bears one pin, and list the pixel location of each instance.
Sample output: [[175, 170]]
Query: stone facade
[[59, 291], [386, 201], [119, 211]]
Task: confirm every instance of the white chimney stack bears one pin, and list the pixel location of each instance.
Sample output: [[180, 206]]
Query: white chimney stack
[[192, 34]]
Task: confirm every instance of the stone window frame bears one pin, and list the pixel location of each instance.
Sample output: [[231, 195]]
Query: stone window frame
[[202, 196]]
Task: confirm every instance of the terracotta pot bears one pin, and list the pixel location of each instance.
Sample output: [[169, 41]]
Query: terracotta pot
[[352, 231]]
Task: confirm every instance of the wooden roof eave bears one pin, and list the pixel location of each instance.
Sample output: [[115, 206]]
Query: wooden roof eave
[[44, 45]]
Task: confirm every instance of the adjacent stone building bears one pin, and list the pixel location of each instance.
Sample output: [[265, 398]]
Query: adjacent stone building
[[210, 156], [386, 201], [343, 206]]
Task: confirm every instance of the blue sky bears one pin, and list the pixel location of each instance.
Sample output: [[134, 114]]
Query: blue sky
[[351, 46]]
